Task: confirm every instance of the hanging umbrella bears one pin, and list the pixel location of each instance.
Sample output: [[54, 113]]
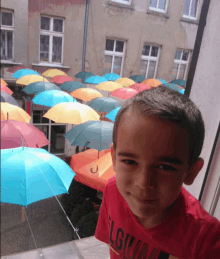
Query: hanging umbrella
[[95, 80], [15, 68], [12, 112], [109, 86], [152, 82], [112, 114], [137, 78], [5, 89], [84, 75], [172, 86], [26, 80], [24, 72], [53, 73], [61, 79], [124, 93], [7, 98], [86, 94], [72, 113], [125, 82], [111, 76], [3, 82], [13, 132], [140, 87], [182, 91], [38, 87], [162, 81], [104, 104], [179, 82], [72, 86], [51, 98]]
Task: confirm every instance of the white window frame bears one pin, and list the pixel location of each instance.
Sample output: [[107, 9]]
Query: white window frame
[[8, 28], [122, 2], [149, 58], [117, 54], [156, 9], [197, 11], [51, 33]]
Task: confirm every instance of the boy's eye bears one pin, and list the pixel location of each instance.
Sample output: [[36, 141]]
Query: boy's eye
[[129, 162], [167, 168]]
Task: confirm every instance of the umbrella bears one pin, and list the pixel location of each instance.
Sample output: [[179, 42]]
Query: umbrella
[[26, 80], [7, 98], [109, 86], [95, 80], [182, 91], [53, 97], [140, 87], [152, 82], [61, 79], [124, 93], [92, 134], [86, 94], [72, 86], [3, 82], [32, 174], [5, 89], [38, 87], [162, 81], [172, 86], [112, 114], [111, 76], [12, 112], [72, 113], [125, 82], [137, 78], [179, 82], [15, 68], [24, 72], [1, 76], [104, 104], [84, 75], [53, 73], [13, 132]]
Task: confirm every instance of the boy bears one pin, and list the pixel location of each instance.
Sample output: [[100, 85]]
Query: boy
[[146, 213]]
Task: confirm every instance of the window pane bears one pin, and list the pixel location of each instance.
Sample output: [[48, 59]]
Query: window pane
[[154, 51], [45, 130], [58, 25], [45, 23], [182, 71], [38, 117], [151, 69], [186, 7], [194, 8], [3, 54], [153, 3], [174, 71], [9, 44], [109, 45], [57, 49], [185, 55], [117, 65], [162, 4], [143, 68], [107, 64], [146, 50], [7, 19], [178, 54], [57, 139], [119, 46], [44, 48]]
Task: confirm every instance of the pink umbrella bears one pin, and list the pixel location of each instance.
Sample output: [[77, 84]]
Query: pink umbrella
[[140, 87], [13, 132], [4, 88], [61, 79], [124, 93]]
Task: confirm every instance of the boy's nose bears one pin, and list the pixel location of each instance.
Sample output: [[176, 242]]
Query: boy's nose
[[146, 179]]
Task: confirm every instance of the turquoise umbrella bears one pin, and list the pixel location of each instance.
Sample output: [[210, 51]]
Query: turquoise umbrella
[[112, 115], [182, 91], [53, 97], [179, 82], [162, 81], [29, 175], [104, 104], [95, 80], [172, 86], [137, 78], [84, 75], [72, 86], [111, 76], [24, 72], [38, 87], [5, 97]]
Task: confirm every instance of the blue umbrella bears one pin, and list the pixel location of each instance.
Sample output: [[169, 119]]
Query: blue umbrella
[[179, 82], [104, 104], [112, 115], [111, 76], [84, 75], [172, 86], [162, 81], [72, 86], [53, 97], [5, 97], [92, 134], [137, 78], [1, 76], [182, 91], [95, 80], [38, 87], [32, 174], [24, 72]]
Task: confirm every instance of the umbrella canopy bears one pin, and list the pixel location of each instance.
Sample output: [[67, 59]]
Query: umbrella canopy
[[13, 132], [3, 82], [124, 93], [72, 86], [137, 78], [152, 82], [52, 98], [24, 72], [86, 94], [104, 104], [112, 114], [93, 134], [26, 80], [7, 98], [84, 75], [12, 112], [72, 113], [95, 80], [162, 81], [140, 87], [111, 76], [53, 73], [15, 68], [5, 89], [109, 86], [172, 86], [61, 79], [32, 174], [182, 91], [125, 82], [179, 82], [38, 87]]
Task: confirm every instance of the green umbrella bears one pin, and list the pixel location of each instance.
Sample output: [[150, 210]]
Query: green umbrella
[[172, 86], [84, 75], [179, 82], [72, 86], [137, 78], [38, 87]]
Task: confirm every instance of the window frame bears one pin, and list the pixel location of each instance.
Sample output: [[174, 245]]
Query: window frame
[[197, 11], [158, 9], [122, 2]]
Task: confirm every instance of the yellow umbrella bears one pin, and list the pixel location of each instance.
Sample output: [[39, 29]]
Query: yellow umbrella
[[72, 113], [152, 82], [109, 86], [3, 82], [26, 80], [12, 112], [125, 82], [53, 73], [86, 94]]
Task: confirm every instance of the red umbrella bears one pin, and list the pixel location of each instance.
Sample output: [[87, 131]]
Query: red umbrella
[[4, 88], [61, 79], [13, 132], [15, 68], [124, 93], [140, 87]]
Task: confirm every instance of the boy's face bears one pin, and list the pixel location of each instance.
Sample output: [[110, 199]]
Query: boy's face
[[150, 161]]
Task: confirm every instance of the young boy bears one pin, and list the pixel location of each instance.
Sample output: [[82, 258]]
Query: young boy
[[146, 213]]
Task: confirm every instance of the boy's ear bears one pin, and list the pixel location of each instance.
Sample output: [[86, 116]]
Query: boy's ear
[[112, 154], [193, 171]]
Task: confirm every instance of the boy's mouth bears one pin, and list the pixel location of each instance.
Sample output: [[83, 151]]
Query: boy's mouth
[[145, 200]]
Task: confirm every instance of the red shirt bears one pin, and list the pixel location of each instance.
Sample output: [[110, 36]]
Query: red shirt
[[189, 232]]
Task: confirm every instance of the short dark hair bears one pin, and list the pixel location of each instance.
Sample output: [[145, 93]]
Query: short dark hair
[[172, 106]]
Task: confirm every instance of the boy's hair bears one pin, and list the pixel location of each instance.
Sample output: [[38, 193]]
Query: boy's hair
[[172, 106]]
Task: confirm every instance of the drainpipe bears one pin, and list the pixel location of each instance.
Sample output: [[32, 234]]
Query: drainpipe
[[85, 35]]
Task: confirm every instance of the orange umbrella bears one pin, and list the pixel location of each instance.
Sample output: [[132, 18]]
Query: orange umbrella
[[3, 82], [86, 94], [152, 82], [12, 112], [5, 89], [61, 79]]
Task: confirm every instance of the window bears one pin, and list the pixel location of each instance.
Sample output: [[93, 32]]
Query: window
[[51, 40], [190, 9], [128, 2], [159, 5], [114, 56], [180, 66], [7, 35], [149, 61]]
